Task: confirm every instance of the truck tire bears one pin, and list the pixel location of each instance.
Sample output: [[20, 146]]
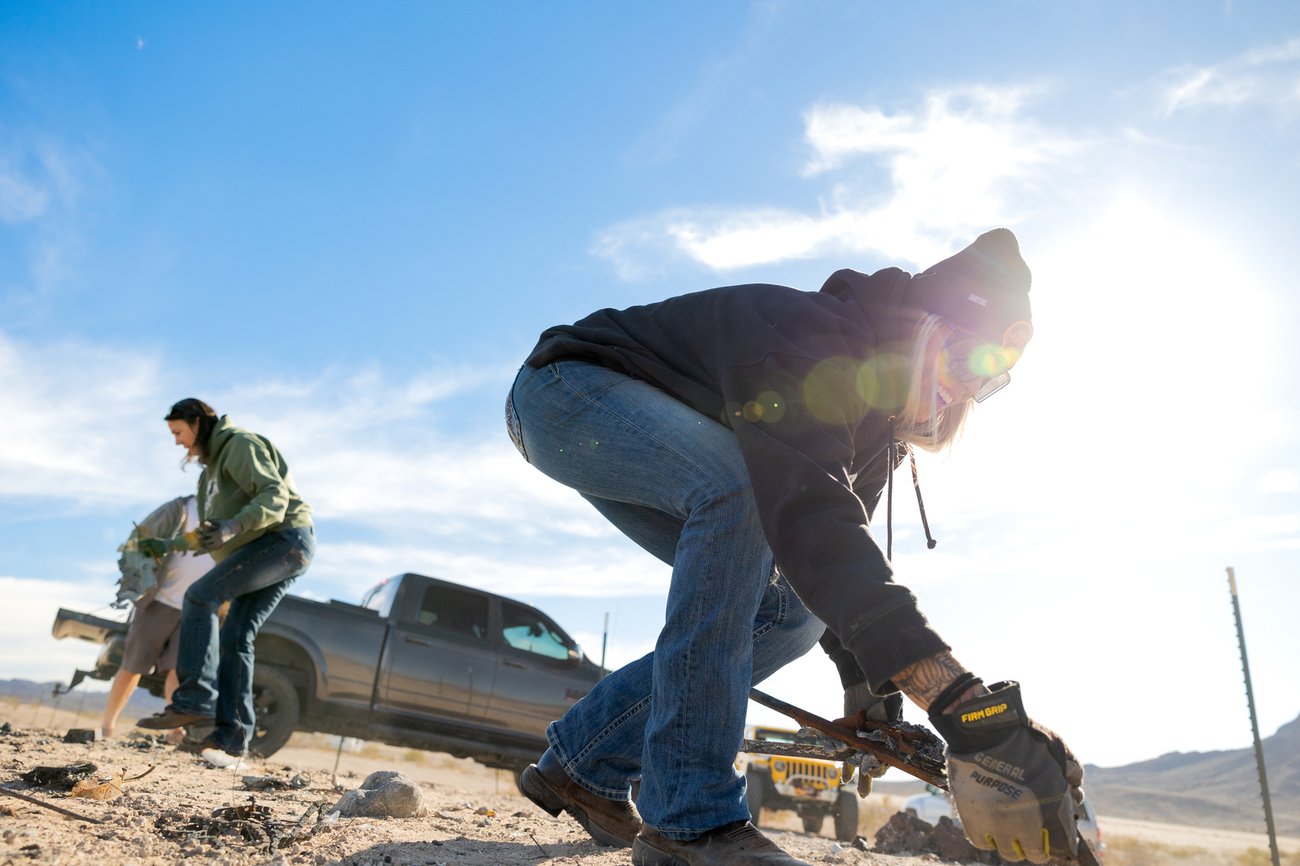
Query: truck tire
[[754, 797], [813, 823], [276, 703], [846, 815]]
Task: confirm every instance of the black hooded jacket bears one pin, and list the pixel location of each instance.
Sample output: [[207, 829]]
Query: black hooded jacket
[[809, 382]]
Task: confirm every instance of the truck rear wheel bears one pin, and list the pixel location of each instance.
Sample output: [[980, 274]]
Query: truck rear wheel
[[813, 823], [276, 703], [846, 815]]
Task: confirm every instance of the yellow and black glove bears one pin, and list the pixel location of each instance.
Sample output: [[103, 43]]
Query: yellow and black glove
[[1015, 783]]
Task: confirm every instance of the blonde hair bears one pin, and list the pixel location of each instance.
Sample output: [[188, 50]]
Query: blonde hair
[[942, 426]]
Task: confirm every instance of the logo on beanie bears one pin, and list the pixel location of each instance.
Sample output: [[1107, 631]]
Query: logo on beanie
[[976, 299]]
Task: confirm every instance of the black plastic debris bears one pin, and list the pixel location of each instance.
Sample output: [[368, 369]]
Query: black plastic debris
[[58, 778], [274, 783]]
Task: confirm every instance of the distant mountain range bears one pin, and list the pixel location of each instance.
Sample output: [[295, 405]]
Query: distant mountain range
[[1213, 789], [92, 703]]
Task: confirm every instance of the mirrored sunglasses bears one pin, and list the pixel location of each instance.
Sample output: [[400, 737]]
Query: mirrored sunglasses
[[970, 358]]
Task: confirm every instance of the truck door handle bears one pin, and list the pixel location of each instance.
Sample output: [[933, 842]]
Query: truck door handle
[[511, 663], [418, 641]]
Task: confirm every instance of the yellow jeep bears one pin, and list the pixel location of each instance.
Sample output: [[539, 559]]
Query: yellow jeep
[[811, 787]]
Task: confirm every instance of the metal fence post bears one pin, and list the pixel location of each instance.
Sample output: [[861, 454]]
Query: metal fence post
[[1254, 723]]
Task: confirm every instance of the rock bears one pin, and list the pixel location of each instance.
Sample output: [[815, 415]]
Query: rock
[[950, 843], [80, 735], [383, 794], [903, 834], [907, 834]]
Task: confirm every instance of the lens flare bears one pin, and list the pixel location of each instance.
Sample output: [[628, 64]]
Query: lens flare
[[768, 407]]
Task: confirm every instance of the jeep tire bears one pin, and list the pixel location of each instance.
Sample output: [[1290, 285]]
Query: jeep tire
[[846, 815], [754, 796]]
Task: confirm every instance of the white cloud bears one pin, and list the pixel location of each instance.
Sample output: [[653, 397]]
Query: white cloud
[[71, 414], [378, 457], [20, 200], [1279, 481], [957, 164], [523, 570], [42, 184], [1263, 76], [26, 618]]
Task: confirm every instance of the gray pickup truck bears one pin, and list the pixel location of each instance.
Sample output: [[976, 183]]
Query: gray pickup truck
[[421, 662]]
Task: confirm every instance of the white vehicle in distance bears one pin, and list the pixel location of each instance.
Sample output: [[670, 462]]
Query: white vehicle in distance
[[930, 806]]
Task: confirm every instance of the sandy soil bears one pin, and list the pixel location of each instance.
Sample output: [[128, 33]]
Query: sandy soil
[[475, 816]]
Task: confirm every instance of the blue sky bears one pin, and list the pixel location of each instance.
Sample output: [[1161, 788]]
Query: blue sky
[[345, 225]]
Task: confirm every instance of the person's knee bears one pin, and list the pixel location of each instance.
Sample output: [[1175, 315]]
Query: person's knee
[[196, 598]]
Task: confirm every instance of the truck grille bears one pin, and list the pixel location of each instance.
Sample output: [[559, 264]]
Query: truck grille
[[804, 773]]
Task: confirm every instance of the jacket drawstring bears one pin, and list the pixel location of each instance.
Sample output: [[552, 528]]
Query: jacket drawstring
[[889, 495], [920, 503], [891, 456]]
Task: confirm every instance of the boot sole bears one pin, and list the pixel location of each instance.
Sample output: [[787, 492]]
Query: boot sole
[[644, 854], [550, 801]]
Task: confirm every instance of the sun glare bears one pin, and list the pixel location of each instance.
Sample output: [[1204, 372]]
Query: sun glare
[[1151, 339]]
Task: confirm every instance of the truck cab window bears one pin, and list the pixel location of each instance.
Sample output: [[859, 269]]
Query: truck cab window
[[523, 629], [379, 597], [455, 612]]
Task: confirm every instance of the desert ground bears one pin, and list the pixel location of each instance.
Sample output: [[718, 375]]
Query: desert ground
[[276, 811]]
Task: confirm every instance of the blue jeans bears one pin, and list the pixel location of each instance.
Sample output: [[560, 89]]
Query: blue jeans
[[215, 668], [673, 481]]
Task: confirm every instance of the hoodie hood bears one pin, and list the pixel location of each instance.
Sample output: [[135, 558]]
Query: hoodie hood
[[984, 289]]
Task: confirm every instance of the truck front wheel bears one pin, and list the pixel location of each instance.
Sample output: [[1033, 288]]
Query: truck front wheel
[[276, 703]]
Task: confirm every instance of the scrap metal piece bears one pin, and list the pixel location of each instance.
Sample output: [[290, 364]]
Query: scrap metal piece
[[911, 748], [797, 750], [914, 749]]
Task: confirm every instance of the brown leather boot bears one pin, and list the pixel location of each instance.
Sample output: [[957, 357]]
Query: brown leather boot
[[737, 844], [610, 822]]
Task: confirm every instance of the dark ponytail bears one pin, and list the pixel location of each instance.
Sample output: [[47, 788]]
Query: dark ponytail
[[192, 410]]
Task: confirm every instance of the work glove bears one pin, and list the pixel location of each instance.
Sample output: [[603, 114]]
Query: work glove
[[860, 704], [1015, 783], [160, 547], [860, 699], [155, 548], [216, 533]]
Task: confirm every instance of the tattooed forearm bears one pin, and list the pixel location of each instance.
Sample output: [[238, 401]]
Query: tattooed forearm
[[923, 681]]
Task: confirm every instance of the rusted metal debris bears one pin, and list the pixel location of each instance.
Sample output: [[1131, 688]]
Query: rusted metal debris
[[914, 749], [819, 751], [248, 823], [911, 748]]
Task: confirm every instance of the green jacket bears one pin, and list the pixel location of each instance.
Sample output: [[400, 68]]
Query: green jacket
[[246, 478]]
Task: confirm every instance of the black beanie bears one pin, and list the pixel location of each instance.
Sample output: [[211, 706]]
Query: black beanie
[[984, 289]]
